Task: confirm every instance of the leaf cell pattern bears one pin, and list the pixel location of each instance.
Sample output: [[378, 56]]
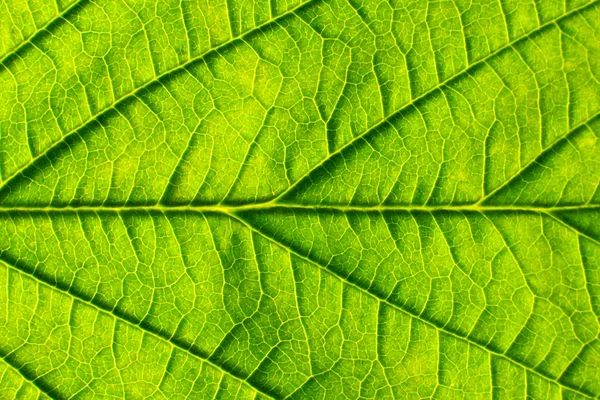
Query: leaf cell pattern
[[313, 199]]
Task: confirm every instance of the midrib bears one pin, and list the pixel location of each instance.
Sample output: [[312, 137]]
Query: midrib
[[272, 206]]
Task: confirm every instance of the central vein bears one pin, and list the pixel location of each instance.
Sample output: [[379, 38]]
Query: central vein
[[231, 209]]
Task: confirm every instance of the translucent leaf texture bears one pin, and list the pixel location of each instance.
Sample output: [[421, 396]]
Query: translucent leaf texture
[[300, 199]]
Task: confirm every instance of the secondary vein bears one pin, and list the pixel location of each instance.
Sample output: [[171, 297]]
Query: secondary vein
[[61, 15], [124, 319], [146, 85], [426, 94], [408, 312]]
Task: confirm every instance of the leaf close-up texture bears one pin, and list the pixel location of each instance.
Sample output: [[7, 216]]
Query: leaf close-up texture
[[318, 199]]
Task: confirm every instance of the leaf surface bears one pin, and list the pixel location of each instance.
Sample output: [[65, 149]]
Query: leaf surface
[[302, 199]]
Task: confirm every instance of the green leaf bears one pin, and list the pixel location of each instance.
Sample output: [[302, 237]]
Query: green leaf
[[300, 199]]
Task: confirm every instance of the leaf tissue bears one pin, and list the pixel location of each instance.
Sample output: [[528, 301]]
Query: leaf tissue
[[300, 199]]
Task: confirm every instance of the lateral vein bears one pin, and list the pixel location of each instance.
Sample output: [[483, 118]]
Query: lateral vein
[[143, 87], [409, 313], [125, 320]]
